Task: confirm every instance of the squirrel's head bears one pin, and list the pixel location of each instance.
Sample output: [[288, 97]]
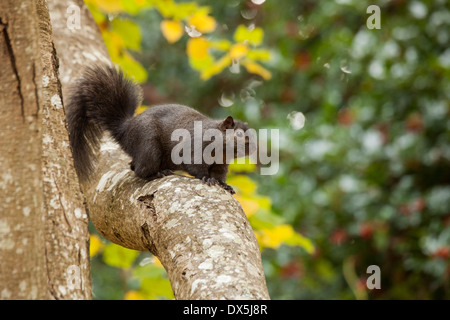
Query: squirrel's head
[[243, 138]]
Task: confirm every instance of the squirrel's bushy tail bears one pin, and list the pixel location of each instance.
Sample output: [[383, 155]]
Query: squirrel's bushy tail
[[101, 99]]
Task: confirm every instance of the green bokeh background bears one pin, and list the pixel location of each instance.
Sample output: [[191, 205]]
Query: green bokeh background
[[367, 177]]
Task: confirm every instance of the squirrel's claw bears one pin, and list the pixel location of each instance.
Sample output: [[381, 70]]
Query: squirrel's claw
[[210, 181], [227, 187]]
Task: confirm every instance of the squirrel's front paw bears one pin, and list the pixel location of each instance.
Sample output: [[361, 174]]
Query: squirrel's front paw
[[227, 187], [166, 172], [210, 181]]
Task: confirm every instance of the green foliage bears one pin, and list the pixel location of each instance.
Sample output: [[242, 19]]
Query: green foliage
[[121, 273], [118, 256], [366, 179]]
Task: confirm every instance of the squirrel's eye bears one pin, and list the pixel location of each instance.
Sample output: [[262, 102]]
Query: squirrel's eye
[[239, 134]]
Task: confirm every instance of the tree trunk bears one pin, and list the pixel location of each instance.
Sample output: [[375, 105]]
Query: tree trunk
[[44, 241], [200, 233]]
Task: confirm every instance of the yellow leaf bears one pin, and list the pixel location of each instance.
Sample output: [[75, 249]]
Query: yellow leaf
[[222, 45], [157, 263], [197, 48], [114, 53], [242, 167], [134, 295], [134, 6], [118, 256], [273, 238], [299, 240], [255, 68], [166, 8], [238, 51], [252, 36], [243, 182], [108, 6], [264, 202], [259, 54], [114, 43], [284, 233], [117, 40], [183, 10], [99, 17], [216, 68], [132, 68], [202, 64], [95, 245], [172, 30], [141, 109], [249, 205], [202, 22], [128, 32]]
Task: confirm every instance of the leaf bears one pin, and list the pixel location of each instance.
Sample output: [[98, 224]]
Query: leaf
[[203, 64], [129, 33], [132, 68], [141, 109], [157, 262], [202, 22], [222, 45], [149, 271], [184, 10], [237, 51], [117, 256], [197, 48], [172, 30], [176, 11], [298, 240], [107, 6], [114, 44], [216, 68], [134, 6], [259, 54], [243, 182], [166, 8], [275, 237], [95, 245], [157, 288], [248, 204], [99, 17], [242, 167], [252, 36], [134, 295], [255, 68], [265, 219]]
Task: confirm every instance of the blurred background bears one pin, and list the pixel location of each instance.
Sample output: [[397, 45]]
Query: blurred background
[[363, 119]]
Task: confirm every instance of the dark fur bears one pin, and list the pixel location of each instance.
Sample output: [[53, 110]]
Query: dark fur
[[103, 99]]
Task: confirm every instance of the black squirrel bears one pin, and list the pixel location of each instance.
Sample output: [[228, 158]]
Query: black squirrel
[[104, 99]]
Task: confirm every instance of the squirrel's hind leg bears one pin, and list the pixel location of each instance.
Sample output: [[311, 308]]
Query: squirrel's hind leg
[[147, 164]]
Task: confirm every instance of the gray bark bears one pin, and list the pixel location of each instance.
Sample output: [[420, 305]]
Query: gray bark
[[200, 234], [44, 241]]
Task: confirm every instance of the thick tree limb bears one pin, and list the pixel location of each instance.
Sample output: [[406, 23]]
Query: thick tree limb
[[44, 240], [200, 233]]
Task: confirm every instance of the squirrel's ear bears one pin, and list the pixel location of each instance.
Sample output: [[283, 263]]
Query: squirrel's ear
[[228, 123]]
